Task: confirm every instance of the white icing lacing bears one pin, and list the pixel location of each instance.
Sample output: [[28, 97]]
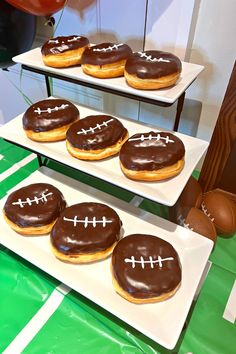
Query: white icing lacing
[[150, 58], [152, 262], [49, 110], [115, 46], [56, 41], [60, 48], [151, 137], [73, 39], [181, 221], [205, 211], [86, 221], [31, 201], [98, 126]]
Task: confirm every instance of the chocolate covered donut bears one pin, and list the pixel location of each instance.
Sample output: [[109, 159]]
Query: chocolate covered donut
[[105, 59], [48, 120], [145, 268], [33, 210], [152, 156], [152, 69], [96, 137], [85, 232], [64, 51]]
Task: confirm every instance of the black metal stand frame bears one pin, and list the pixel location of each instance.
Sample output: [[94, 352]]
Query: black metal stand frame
[[43, 159], [180, 100]]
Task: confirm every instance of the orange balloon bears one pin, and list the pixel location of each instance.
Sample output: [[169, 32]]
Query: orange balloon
[[39, 7]]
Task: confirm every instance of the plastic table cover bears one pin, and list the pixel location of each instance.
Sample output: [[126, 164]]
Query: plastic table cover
[[79, 326]]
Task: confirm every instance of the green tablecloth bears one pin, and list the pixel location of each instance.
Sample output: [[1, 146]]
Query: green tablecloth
[[77, 325]]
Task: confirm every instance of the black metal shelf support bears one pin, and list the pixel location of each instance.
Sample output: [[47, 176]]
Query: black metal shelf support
[[47, 75]]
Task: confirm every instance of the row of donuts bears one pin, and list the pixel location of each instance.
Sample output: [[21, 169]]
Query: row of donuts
[[145, 268], [148, 70], [149, 156]]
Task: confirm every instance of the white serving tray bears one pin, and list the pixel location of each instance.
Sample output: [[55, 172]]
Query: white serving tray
[[33, 58], [164, 192], [161, 321]]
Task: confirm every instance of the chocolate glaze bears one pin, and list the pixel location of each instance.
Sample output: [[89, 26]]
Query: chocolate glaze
[[62, 44], [39, 213], [144, 281], [150, 155], [80, 239], [45, 121], [117, 52], [109, 133], [144, 68]]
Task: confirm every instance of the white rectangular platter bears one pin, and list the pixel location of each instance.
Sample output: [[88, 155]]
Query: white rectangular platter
[[161, 321], [33, 58], [164, 192]]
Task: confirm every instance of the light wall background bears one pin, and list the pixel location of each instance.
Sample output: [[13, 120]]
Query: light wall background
[[199, 31]]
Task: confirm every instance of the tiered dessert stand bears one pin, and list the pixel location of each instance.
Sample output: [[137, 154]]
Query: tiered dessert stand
[[162, 321]]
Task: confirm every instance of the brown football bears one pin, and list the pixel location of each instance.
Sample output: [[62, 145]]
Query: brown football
[[221, 210], [190, 197], [195, 220]]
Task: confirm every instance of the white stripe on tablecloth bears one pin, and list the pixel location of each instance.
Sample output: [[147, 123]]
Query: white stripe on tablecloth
[[1, 157], [203, 277], [230, 308], [25, 336], [17, 166], [136, 201]]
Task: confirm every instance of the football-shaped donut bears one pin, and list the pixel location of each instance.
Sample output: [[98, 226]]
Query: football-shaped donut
[[190, 197], [195, 220], [85, 232], [221, 210], [145, 269]]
